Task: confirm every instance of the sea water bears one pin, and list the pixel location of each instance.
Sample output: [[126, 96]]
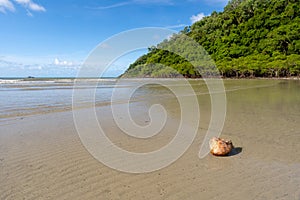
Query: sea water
[[21, 97]]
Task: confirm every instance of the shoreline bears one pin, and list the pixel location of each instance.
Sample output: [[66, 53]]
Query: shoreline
[[37, 111], [133, 78]]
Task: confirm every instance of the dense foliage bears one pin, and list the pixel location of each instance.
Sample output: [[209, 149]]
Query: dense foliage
[[250, 38]]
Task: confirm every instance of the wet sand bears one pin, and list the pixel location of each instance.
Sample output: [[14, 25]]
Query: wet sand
[[42, 157]]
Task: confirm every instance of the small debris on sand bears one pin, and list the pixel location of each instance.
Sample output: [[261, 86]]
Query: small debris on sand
[[220, 147]]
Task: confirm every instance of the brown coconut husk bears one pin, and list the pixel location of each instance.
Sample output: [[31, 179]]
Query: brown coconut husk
[[220, 147]]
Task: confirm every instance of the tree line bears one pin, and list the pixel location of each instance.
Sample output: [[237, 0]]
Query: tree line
[[249, 38]]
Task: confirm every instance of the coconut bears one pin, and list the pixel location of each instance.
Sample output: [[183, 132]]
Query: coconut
[[220, 147]]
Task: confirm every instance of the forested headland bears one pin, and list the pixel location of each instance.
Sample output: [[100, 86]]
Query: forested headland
[[249, 38]]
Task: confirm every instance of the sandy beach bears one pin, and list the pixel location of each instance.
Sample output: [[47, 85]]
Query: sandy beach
[[42, 157], [150, 100]]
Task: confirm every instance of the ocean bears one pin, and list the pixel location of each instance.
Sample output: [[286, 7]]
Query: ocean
[[20, 97]]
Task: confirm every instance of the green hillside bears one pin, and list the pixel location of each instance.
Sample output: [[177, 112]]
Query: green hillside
[[250, 38]]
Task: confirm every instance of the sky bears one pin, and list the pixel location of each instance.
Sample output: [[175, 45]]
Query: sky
[[48, 38]]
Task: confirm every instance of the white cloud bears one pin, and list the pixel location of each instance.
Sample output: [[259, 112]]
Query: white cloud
[[196, 18], [42, 66], [166, 2], [176, 26], [133, 2], [62, 63], [29, 5], [23, 1], [212, 2], [6, 5], [36, 7], [34, 67], [112, 6]]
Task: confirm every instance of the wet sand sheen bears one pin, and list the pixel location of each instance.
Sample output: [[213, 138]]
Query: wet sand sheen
[[41, 157]]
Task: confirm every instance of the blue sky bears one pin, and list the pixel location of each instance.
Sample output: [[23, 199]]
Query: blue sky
[[47, 38]]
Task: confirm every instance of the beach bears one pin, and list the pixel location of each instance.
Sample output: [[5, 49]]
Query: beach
[[42, 156]]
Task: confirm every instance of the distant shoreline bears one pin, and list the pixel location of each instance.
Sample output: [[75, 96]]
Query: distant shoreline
[[130, 78], [45, 78]]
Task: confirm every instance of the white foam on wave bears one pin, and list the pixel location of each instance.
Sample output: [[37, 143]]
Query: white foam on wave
[[9, 81]]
